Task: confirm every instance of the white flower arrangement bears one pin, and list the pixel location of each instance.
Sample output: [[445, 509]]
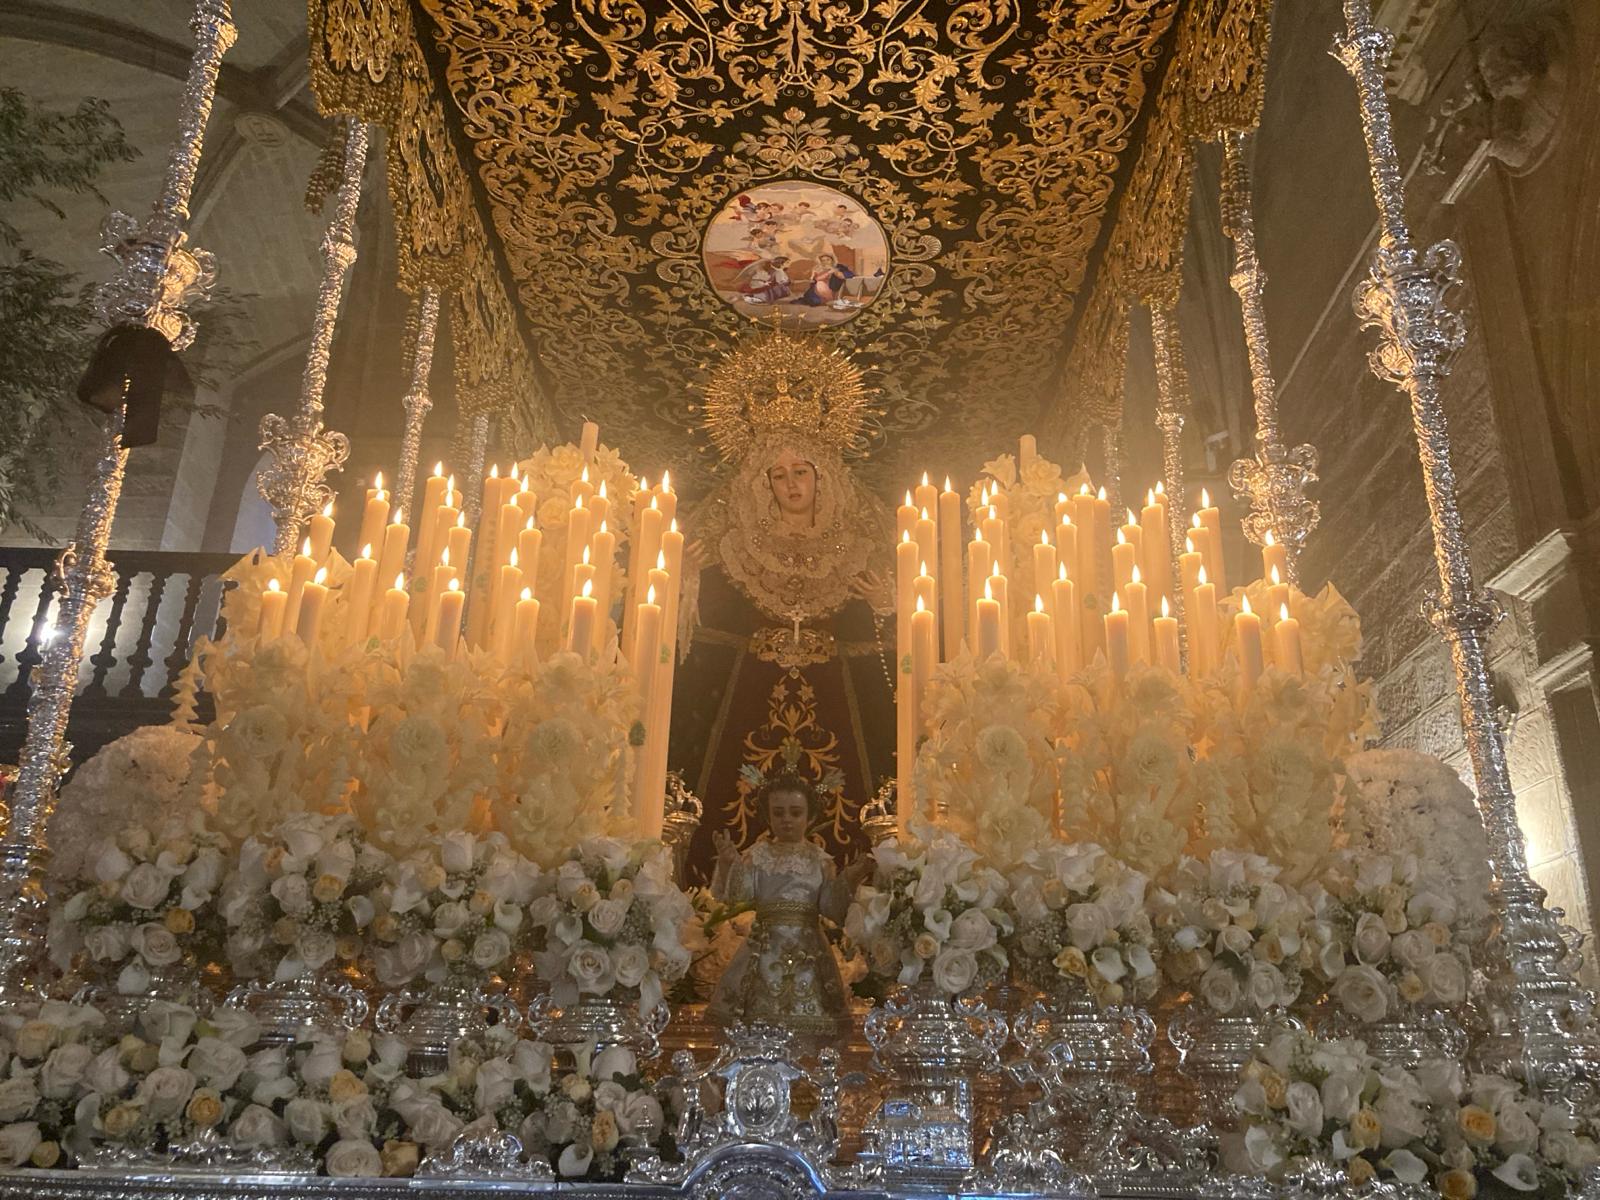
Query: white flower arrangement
[[1399, 930], [45, 1061], [1081, 920], [988, 765], [301, 897], [612, 922], [145, 902], [454, 909], [1233, 934], [931, 913], [1306, 1099]]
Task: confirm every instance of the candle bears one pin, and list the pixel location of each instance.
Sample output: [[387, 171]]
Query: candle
[[1189, 564], [952, 604], [300, 573], [458, 540], [1124, 557], [1288, 652], [922, 661], [313, 598], [1068, 636], [583, 578], [392, 554], [927, 496], [503, 616], [1138, 617], [998, 589], [658, 578], [1132, 534], [1102, 540], [1063, 507], [906, 561], [1041, 641], [529, 541], [580, 621], [508, 525], [1166, 638], [923, 589], [636, 563], [994, 533], [1027, 449], [589, 441], [672, 556], [448, 631], [647, 653], [1211, 519], [581, 488], [1001, 508], [321, 531], [980, 557], [1067, 544], [1044, 567], [600, 508], [1203, 644], [578, 529], [926, 535], [1155, 546], [1247, 642], [988, 622], [905, 517], [273, 605], [1277, 592], [443, 573], [605, 552], [1083, 572], [525, 632], [1274, 557], [377, 488], [432, 496], [374, 516], [363, 581], [668, 500], [392, 616], [1116, 622]]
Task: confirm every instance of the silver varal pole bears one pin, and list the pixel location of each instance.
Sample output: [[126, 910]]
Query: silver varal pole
[[156, 276], [1275, 480], [303, 451], [1542, 1014], [1172, 404], [417, 403]]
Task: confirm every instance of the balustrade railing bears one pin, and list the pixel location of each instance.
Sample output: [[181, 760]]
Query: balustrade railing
[[139, 641]]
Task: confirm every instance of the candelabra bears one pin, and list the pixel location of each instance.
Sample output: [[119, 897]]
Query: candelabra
[[303, 451], [1275, 480], [417, 402], [1407, 300], [1172, 402], [156, 277]]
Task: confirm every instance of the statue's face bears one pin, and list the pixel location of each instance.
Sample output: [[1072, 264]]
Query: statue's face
[[787, 815], [794, 484]]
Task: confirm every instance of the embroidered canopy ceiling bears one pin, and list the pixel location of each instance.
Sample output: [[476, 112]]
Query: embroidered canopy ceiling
[[920, 184]]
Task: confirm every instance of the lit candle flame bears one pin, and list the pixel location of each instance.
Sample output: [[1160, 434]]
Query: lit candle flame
[[661, 560], [305, 548], [1161, 488], [1283, 612], [377, 480], [438, 468], [1044, 538], [1038, 603], [461, 520], [650, 594], [672, 525], [1205, 498], [1245, 600], [1121, 540], [1061, 571], [529, 525], [1166, 609], [920, 606], [925, 515], [586, 556], [494, 471], [455, 584], [1202, 576], [584, 474], [1061, 497], [1149, 497], [653, 501], [444, 557], [272, 584], [527, 593], [1276, 579], [988, 592], [1116, 602], [400, 582], [513, 556], [1270, 540], [994, 571], [578, 503], [924, 570], [905, 535], [588, 587], [1132, 520], [1083, 489], [666, 481], [1102, 494], [602, 489], [366, 551], [603, 527], [924, 479], [908, 503], [1188, 544], [1135, 572], [1194, 521], [322, 576], [947, 486]]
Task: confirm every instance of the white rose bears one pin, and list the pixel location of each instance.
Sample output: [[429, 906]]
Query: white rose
[[590, 968], [954, 971], [307, 1120], [105, 1074], [607, 917], [1262, 1148], [202, 876], [1236, 941], [216, 1063], [1362, 993], [106, 943], [302, 838], [17, 1142], [1515, 1131], [532, 1060], [1519, 1172], [1405, 1166], [256, 1126], [455, 852], [574, 1160], [495, 1085], [614, 1061], [236, 1026], [293, 894], [165, 1091], [17, 1097], [632, 964], [1107, 962], [1305, 1109], [507, 916], [1219, 988], [1341, 1097], [972, 930], [1428, 906], [491, 949], [362, 910], [63, 1071], [1446, 979], [1412, 949], [1086, 925], [1401, 1121], [1371, 939], [356, 1118], [322, 1063], [111, 864], [347, 1158], [156, 945], [1141, 960], [430, 1124], [1266, 986], [449, 918], [146, 887], [544, 911]]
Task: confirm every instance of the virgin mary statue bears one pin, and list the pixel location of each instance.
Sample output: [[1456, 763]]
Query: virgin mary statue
[[789, 664]]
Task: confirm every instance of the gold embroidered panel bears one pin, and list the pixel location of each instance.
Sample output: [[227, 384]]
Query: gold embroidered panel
[[983, 138]]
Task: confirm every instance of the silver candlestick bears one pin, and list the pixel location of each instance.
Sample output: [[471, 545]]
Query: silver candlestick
[[477, 448], [1407, 300], [303, 451], [417, 402], [1275, 480], [156, 277], [1172, 403]]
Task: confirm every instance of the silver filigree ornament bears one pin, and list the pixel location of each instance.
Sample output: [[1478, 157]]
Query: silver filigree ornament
[[1541, 1018], [486, 1153], [289, 1009], [599, 1021], [417, 403], [303, 451], [156, 276], [432, 1019], [204, 1152]]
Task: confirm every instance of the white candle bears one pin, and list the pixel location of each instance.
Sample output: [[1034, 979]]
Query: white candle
[[1124, 557], [525, 634], [1041, 642], [1044, 567], [373, 518], [605, 553], [300, 573], [321, 531], [580, 627], [952, 604], [1166, 637], [922, 659], [988, 622], [1274, 556], [392, 554], [432, 496], [274, 603], [1203, 642], [1067, 632], [1116, 622], [363, 580], [529, 542], [1289, 653], [927, 497], [1138, 617], [313, 598], [905, 517], [998, 588], [392, 618], [448, 632], [589, 441], [980, 558], [502, 620], [1247, 642]]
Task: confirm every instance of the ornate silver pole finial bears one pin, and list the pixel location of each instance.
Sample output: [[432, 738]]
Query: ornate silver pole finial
[[1275, 480], [1172, 406], [1407, 300], [303, 452], [417, 402], [156, 276]]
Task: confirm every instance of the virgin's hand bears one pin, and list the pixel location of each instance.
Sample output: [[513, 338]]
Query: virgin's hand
[[726, 851]]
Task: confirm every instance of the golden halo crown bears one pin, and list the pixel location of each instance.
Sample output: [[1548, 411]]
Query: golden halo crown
[[782, 383]]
